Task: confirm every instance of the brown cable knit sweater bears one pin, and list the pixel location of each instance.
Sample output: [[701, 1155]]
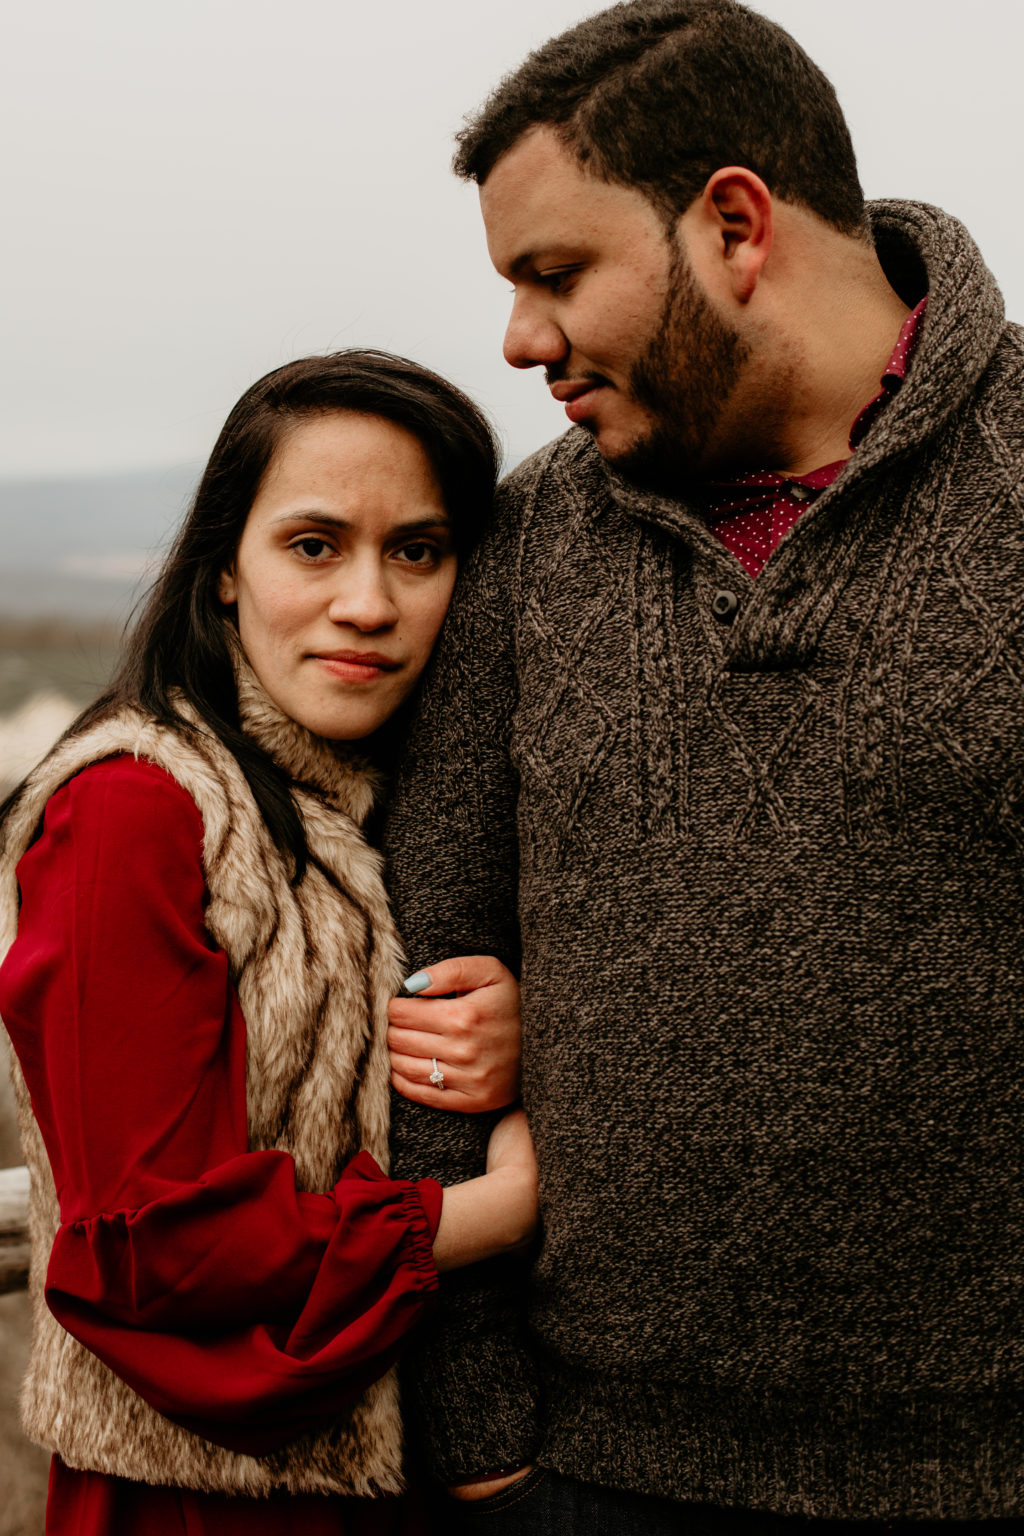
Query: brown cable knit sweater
[[768, 876]]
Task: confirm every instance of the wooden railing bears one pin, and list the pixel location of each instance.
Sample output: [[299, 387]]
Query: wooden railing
[[13, 1229]]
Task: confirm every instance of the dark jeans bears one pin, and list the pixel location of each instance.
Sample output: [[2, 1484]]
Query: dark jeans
[[545, 1504]]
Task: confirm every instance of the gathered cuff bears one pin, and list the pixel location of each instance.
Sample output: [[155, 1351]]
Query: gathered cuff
[[431, 1194], [418, 1206]]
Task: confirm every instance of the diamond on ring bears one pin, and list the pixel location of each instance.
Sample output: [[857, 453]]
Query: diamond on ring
[[437, 1076]]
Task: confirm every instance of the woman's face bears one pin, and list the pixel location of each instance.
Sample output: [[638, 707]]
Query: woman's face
[[343, 573]]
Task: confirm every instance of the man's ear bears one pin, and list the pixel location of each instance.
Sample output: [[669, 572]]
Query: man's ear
[[737, 206], [226, 589]]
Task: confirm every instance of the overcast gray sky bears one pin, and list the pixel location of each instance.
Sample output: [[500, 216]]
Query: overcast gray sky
[[197, 190]]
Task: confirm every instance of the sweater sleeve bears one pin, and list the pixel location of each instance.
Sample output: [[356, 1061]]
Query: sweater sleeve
[[233, 1303], [452, 850]]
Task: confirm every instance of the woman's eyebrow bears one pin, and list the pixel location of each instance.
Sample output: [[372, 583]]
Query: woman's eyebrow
[[330, 520]]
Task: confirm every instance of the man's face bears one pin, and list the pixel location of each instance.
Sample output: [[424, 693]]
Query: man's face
[[606, 302]]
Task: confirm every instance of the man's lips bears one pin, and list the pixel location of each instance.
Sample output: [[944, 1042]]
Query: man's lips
[[577, 395], [357, 666]]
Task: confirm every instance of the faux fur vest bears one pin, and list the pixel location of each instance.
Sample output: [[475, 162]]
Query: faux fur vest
[[314, 968]]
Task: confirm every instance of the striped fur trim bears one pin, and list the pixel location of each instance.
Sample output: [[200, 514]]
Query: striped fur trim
[[314, 967]]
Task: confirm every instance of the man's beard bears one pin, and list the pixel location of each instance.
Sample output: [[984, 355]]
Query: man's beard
[[684, 378]]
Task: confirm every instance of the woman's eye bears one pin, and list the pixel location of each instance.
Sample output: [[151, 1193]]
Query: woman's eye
[[418, 554], [312, 548]]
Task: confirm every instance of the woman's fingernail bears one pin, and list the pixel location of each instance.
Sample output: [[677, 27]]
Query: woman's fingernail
[[417, 983]]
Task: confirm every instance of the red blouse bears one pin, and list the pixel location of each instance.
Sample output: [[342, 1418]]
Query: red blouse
[[233, 1303]]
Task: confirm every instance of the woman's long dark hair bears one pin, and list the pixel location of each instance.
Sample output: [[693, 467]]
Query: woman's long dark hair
[[177, 648]]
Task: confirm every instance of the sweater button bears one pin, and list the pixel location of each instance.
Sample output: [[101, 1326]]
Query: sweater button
[[724, 605]]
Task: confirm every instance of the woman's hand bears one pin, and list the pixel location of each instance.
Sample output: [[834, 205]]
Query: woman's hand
[[496, 1213], [471, 1040]]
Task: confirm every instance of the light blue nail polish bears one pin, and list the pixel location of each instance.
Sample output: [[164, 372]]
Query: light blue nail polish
[[417, 983]]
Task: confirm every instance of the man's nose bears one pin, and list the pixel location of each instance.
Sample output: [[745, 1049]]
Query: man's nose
[[532, 338], [363, 598]]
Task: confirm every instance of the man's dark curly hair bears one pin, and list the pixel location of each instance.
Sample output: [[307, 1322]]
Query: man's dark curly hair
[[659, 94]]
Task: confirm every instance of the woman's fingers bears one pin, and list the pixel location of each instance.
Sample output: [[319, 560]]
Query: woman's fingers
[[462, 973], [464, 1012], [412, 1084], [416, 1042], [473, 1087], [427, 1015], [416, 1070]]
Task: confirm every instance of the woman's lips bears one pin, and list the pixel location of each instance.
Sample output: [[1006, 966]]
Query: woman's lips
[[358, 666]]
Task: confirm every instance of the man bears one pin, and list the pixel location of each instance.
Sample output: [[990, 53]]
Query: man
[[724, 746]]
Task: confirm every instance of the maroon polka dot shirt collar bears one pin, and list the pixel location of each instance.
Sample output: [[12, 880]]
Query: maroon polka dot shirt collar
[[751, 515]]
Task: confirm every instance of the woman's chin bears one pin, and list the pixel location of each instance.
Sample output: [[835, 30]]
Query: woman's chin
[[352, 726], [340, 731], [334, 718]]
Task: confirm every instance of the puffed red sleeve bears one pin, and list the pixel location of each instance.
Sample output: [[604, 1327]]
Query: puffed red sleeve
[[235, 1304]]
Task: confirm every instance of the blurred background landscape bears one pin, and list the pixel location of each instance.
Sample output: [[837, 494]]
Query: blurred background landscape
[[76, 555]]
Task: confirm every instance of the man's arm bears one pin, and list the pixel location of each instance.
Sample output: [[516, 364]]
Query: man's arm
[[452, 852]]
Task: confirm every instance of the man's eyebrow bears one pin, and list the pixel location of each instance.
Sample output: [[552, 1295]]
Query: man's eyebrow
[[517, 266], [331, 520]]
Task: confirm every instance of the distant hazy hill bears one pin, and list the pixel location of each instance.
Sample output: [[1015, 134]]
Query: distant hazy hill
[[79, 548]]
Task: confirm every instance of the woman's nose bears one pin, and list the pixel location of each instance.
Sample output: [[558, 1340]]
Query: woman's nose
[[363, 598]]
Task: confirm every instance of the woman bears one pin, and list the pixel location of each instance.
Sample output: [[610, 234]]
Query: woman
[[196, 989]]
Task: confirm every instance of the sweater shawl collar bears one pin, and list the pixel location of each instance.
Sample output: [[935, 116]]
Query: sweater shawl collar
[[922, 250], [314, 966]]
